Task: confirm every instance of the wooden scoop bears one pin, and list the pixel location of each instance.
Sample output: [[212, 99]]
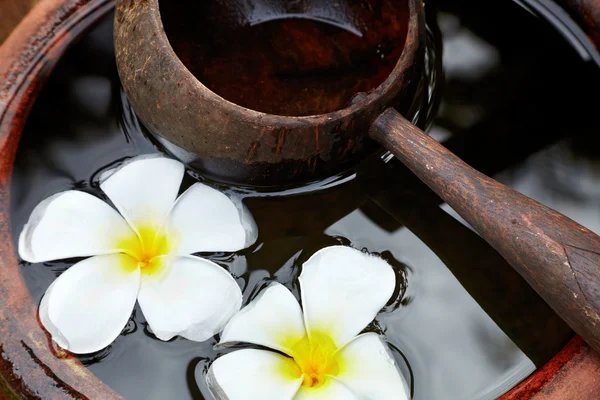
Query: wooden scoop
[[558, 257]]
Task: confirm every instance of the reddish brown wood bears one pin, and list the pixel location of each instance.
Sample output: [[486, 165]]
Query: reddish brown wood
[[11, 13], [558, 257], [28, 367], [237, 144], [574, 374]]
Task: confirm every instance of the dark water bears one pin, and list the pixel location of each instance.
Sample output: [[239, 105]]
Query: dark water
[[466, 327], [287, 64]]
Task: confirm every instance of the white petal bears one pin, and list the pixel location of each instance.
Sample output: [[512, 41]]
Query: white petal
[[331, 389], [71, 224], [368, 368], [204, 219], [144, 189], [88, 306], [342, 291], [254, 375], [273, 319], [45, 319], [194, 298]]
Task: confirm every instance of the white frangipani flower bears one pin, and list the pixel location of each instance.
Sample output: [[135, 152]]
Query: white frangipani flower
[[319, 355], [144, 253]]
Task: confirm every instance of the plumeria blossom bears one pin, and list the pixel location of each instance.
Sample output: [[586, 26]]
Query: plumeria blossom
[[318, 351], [143, 253]]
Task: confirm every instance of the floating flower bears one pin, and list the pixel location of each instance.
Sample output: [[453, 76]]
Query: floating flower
[[319, 355], [143, 254]]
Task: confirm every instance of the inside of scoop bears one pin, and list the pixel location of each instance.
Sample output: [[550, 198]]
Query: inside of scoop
[[288, 58]]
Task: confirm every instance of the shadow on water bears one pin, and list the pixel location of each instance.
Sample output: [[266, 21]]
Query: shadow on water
[[464, 324]]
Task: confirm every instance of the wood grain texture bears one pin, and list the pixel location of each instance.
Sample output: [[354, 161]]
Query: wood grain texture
[[557, 256], [574, 374], [30, 366], [235, 144]]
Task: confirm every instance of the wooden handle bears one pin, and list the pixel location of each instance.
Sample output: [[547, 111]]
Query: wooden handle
[[558, 257]]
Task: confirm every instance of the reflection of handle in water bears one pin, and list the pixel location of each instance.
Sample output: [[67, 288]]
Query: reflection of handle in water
[[558, 257]]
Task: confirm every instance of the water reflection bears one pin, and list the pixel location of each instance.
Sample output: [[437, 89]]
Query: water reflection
[[454, 352], [468, 326], [487, 277]]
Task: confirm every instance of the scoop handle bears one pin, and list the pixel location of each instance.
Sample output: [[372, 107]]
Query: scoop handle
[[558, 257]]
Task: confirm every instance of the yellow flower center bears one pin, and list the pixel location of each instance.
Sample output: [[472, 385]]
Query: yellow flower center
[[315, 359], [145, 249]]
